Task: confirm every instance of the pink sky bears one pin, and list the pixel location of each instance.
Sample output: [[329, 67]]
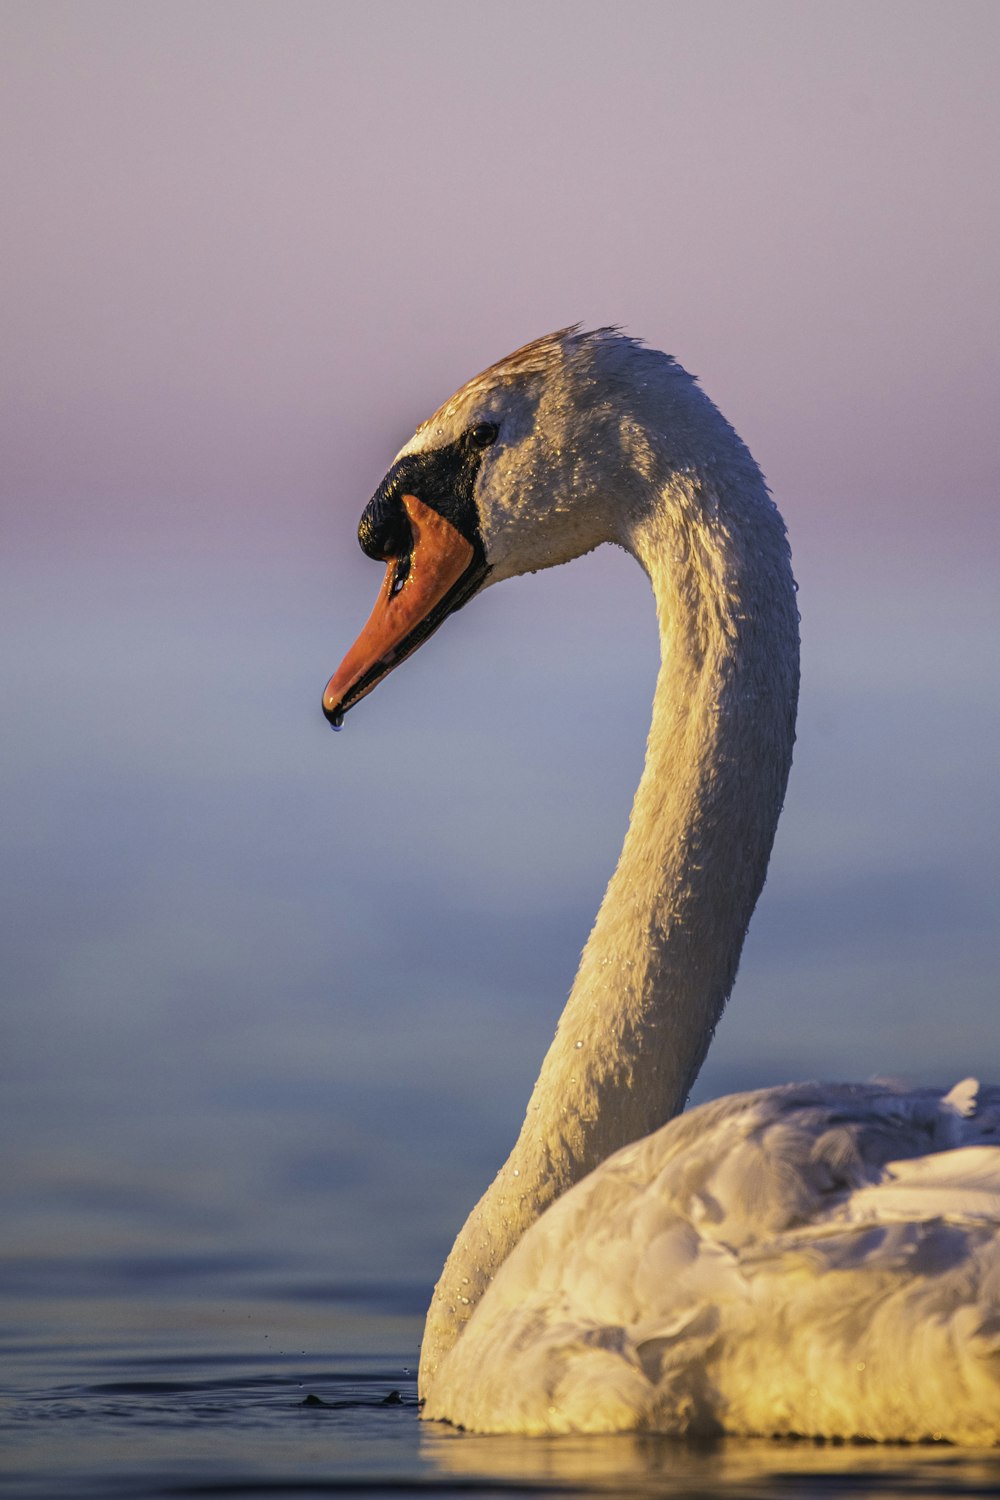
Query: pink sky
[[246, 246]]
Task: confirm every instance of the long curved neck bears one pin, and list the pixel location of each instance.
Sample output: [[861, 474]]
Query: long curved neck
[[661, 959]]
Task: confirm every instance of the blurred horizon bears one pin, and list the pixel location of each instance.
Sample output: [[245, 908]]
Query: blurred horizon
[[248, 248]]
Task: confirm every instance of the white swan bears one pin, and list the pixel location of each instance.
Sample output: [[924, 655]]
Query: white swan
[[815, 1259]]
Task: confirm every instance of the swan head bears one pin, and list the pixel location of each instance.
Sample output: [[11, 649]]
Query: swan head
[[539, 459]]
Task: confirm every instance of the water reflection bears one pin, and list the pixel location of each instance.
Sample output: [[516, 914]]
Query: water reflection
[[641, 1464]]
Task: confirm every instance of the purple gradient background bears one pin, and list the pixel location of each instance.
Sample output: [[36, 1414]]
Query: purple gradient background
[[245, 248]]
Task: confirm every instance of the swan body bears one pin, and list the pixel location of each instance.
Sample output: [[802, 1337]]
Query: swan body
[[816, 1259], [808, 1259]]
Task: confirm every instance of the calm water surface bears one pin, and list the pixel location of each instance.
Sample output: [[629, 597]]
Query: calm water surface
[[255, 1069], [187, 1376]]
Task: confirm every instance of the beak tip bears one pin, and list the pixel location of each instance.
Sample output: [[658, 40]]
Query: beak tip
[[333, 714]]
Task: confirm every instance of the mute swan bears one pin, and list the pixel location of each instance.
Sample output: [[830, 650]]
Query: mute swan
[[811, 1259]]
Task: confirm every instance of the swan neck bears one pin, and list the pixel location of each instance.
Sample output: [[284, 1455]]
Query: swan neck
[[660, 961]]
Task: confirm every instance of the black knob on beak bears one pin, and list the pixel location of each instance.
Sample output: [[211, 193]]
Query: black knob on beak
[[384, 528]]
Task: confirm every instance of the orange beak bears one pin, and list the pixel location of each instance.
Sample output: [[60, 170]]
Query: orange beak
[[403, 615]]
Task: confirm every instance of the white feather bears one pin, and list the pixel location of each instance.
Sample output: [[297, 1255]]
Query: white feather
[[756, 1266]]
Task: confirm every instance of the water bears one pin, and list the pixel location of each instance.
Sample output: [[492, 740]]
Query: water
[[255, 1068], [187, 1376]]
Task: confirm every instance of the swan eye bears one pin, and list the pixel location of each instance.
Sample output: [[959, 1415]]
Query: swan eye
[[483, 434]]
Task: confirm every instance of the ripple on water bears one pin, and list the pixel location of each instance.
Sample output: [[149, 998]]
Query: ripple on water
[[217, 1379]]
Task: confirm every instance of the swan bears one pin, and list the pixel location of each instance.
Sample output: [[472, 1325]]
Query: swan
[[813, 1259]]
